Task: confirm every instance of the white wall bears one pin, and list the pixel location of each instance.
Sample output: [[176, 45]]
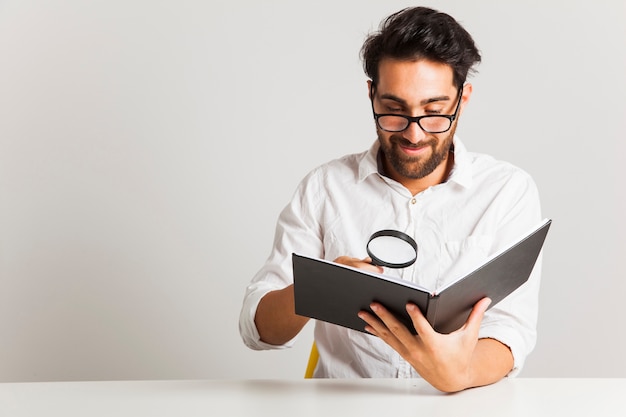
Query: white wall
[[147, 147]]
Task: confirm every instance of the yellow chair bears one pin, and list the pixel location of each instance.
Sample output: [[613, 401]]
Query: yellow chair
[[313, 358]]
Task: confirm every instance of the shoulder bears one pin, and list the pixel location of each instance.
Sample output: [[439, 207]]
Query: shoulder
[[479, 168], [342, 170], [503, 184], [326, 186], [488, 168]]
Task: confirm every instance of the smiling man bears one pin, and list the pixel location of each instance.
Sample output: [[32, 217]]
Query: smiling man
[[416, 148], [419, 178]]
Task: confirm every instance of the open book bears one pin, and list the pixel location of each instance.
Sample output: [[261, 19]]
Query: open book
[[335, 293]]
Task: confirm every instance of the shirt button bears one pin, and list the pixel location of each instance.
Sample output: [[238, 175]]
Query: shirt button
[[413, 201]]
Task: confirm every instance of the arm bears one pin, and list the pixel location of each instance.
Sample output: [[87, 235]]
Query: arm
[[267, 319], [276, 320], [450, 362]]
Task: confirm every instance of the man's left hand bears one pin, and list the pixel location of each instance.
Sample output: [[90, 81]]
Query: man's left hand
[[444, 360]]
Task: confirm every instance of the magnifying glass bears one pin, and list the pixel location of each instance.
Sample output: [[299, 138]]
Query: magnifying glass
[[392, 248]]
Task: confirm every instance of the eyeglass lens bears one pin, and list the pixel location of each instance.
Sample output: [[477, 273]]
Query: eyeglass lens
[[397, 123]]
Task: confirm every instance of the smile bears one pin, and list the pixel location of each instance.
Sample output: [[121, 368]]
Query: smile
[[414, 150]]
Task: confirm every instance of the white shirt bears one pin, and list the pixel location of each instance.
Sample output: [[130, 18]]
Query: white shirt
[[484, 206]]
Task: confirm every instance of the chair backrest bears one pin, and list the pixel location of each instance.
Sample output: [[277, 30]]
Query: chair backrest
[[313, 358]]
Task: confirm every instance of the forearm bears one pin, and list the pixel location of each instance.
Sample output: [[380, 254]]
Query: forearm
[[490, 362], [275, 318]]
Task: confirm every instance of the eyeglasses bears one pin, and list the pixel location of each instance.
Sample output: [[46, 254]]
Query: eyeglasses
[[432, 123]]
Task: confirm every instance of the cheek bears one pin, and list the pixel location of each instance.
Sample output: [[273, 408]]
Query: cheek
[[383, 137]]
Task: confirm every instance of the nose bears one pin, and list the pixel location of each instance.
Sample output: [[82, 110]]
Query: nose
[[414, 133]]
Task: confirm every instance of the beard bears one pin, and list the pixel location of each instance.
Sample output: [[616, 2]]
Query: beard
[[415, 167]]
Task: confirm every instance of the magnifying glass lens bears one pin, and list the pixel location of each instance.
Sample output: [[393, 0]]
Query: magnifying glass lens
[[392, 248]]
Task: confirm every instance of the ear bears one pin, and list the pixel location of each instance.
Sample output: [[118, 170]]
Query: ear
[[465, 97], [369, 89]]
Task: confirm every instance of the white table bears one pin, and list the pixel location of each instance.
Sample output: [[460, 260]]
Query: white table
[[526, 397]]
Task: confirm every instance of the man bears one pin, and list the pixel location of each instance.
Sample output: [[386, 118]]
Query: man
[[419, 178]]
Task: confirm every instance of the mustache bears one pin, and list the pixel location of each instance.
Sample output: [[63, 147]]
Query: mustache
[[399, 140]]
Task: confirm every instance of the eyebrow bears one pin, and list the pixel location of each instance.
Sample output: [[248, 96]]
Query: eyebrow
[[422, 103]]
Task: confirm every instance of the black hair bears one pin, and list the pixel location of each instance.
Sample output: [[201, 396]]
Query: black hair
[[421, 33]]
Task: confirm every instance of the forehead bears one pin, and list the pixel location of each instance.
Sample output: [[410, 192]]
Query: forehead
[[415, 78]]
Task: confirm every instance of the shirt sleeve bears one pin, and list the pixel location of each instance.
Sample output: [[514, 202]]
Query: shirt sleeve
[[513, 321], [297, 230]]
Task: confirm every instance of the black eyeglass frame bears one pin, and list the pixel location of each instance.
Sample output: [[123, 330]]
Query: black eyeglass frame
[[411, 119]]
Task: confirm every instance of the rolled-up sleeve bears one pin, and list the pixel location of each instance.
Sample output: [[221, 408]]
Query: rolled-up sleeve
[[297, 230], [247, 328]]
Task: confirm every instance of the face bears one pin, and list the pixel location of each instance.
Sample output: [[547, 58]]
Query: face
[[415, 88]]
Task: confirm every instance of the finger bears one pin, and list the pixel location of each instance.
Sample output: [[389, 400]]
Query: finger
[[345, 260], [476, 316], [422, 326], [392, 324], [370, 266], [365, 264], [372, 322]]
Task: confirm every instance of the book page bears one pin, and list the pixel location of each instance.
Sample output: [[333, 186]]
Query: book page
[[389, 278]]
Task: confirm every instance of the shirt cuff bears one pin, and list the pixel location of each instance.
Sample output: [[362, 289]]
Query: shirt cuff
[[511, 339], [247, 328]]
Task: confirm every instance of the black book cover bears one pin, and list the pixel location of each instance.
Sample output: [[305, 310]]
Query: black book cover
[[335, 293]]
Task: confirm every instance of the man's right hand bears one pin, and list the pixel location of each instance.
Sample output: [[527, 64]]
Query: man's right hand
[[365, 264]]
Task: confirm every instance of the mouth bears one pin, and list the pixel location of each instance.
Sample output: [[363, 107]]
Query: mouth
[[413, 150]]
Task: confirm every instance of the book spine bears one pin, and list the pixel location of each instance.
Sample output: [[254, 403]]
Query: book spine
[[431, 310]]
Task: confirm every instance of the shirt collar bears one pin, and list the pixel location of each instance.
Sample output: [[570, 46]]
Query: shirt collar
[[461, 172], [369, 162]]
